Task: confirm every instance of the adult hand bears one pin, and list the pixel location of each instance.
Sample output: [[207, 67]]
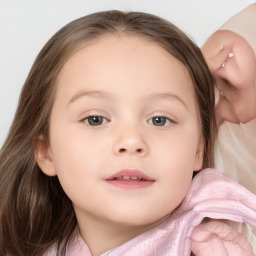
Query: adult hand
[[218, 238], [233, 63]]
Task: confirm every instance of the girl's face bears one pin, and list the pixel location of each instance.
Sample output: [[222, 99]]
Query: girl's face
[[124, 132]]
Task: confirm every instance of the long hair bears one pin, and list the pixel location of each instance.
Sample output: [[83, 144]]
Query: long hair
[[35, 213]]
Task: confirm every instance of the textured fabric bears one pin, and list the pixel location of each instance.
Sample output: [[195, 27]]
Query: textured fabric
[[235, 155], [212, 194]]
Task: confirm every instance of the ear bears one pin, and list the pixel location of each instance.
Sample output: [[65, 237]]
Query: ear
[[43, 156], [199, 157]]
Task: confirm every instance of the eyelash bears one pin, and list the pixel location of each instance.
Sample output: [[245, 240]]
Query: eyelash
[[166, 119], [162, 120], [90, 117]]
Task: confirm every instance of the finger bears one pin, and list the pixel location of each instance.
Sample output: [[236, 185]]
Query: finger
[[214, 53], [230, 72], [207, 230], [214, 232], [212, 246]]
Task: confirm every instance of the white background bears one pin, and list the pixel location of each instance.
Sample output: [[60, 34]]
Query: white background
[[26, 25]]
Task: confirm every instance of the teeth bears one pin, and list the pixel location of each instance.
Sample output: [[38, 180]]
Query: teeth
[[129, 178]]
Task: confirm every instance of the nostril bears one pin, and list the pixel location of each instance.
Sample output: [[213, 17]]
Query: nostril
[[123, 150]]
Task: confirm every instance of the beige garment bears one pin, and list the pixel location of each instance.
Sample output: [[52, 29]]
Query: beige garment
[[235, 155], [244, 24], [235, 152]]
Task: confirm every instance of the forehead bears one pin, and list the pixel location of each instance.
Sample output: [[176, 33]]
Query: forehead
[[131, 63], [102, 49]]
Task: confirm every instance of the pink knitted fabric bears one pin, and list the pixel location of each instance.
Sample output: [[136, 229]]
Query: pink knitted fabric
[[212, 194]]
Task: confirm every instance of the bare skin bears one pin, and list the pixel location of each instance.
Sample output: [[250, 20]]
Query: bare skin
[[218, 238], [233, 63]]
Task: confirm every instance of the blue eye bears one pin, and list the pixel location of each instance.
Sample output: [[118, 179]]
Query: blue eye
[[160, 121], [95, 120]]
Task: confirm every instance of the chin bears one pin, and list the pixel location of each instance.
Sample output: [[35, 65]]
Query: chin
[[140, 219]]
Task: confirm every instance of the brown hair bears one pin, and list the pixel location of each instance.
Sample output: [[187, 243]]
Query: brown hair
[[34, 210]]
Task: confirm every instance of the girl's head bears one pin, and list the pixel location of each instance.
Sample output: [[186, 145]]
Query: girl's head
[[111, 96]]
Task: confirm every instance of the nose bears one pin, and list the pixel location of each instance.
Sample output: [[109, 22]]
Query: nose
[[130, 141]]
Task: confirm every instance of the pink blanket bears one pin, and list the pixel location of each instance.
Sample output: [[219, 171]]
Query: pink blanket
[[212, 194]]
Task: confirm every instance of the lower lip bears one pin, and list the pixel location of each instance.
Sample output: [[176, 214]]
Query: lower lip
[[130, 184]]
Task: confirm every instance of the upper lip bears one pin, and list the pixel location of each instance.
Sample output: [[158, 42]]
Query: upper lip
[[132, 173]]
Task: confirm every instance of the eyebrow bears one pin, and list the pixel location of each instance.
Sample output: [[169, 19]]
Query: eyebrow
[[93, 93], [153, 96], [168, 96]]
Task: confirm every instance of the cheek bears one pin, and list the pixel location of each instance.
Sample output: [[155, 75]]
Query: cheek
[[73, 159], [176, 160], [174, 185], [179, 149], [178, 169]]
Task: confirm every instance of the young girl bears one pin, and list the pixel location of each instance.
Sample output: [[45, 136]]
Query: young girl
[[115, 117]]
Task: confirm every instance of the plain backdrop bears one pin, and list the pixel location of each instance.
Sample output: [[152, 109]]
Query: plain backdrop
[[26, 25]]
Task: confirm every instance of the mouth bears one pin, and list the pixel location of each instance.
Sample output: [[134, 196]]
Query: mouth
[[130, 179]]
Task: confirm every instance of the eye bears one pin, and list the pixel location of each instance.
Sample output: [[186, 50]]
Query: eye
[[95, 120], [160, 121]]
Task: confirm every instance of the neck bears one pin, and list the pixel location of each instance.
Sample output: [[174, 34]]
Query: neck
[[102, 236]]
